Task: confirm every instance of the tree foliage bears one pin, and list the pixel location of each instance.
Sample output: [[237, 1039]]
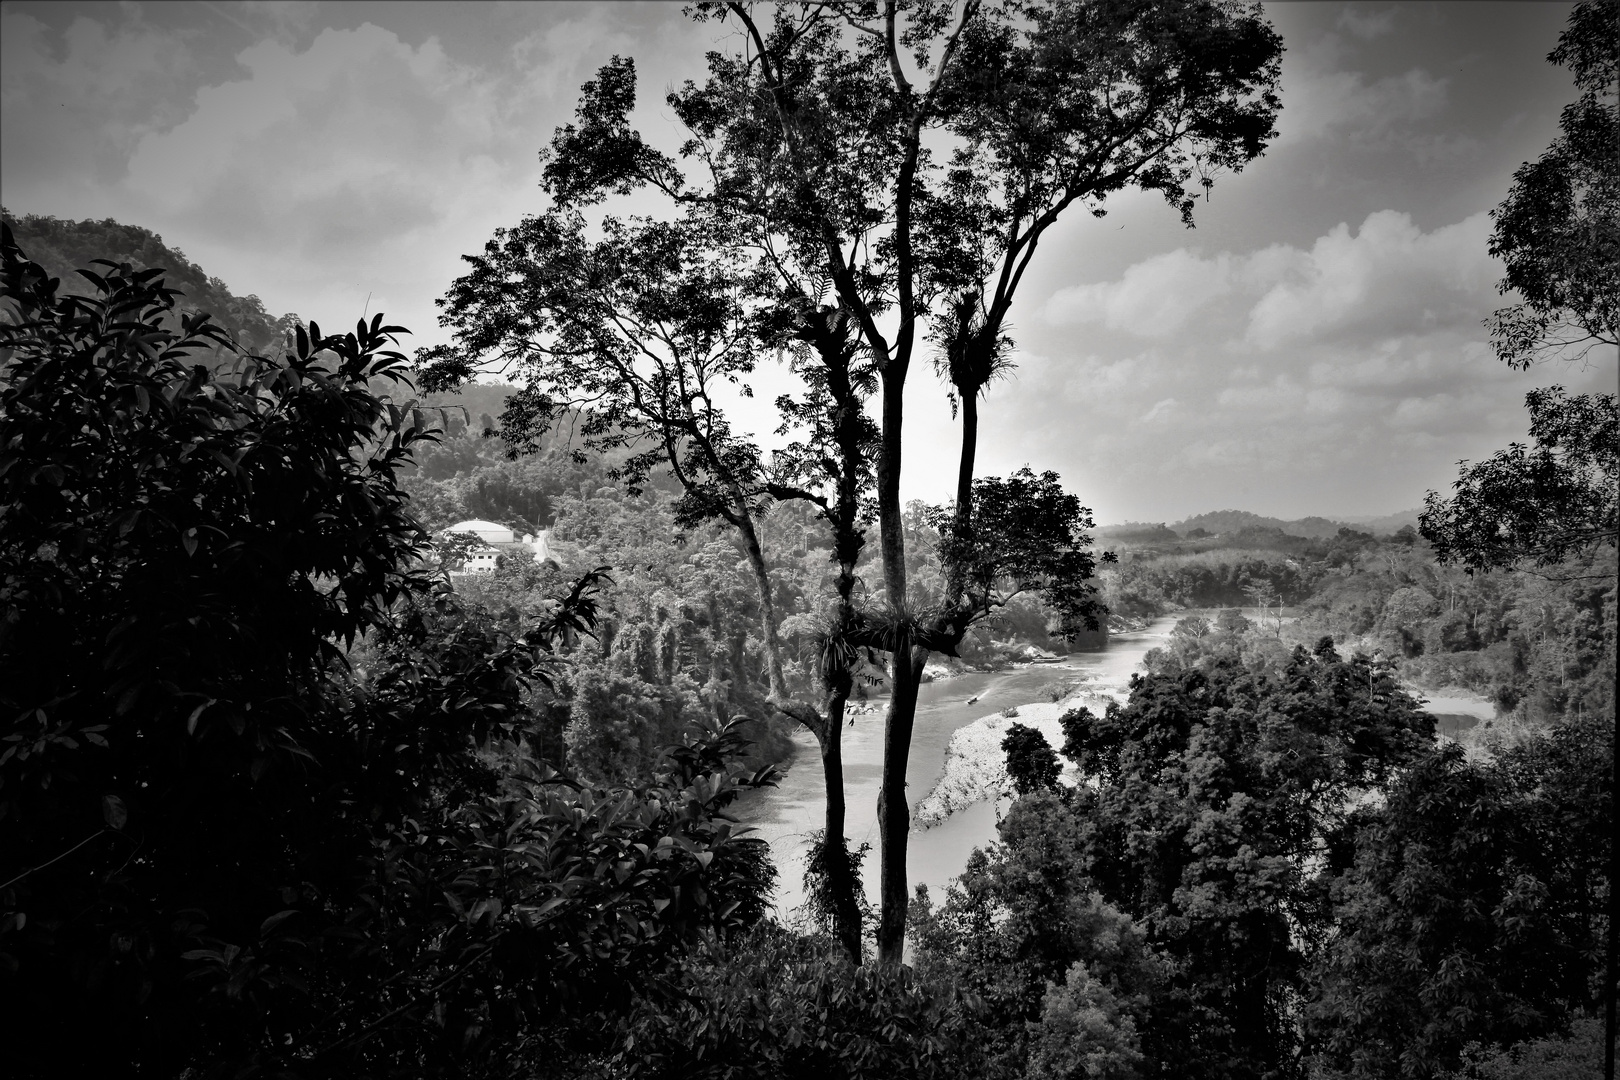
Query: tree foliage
[[627, 335], [813, 144], [774, 1004], [229, 848], [1558, 230], [1032, 765], [1028, 535], [1469, 907], [1546, 504]]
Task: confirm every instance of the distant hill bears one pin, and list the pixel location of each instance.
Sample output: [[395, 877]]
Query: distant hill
[[1137, 531], [64, 247], [1222, 522], [1226, 522], [1388, 523]]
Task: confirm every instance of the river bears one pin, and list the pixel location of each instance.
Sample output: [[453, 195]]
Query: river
[[784, 816]]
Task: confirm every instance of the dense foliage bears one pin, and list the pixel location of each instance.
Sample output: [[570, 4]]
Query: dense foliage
[[1558, 230], [226, 844], [1469, 907], [1539, 644], [1269, 869]]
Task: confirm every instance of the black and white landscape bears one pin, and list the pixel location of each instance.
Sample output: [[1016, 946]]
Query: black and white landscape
[[1051, 538]]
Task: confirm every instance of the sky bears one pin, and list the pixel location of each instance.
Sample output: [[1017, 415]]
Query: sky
[[1313, 346]]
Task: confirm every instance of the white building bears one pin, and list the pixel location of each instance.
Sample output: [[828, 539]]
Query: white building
[[499, 540]]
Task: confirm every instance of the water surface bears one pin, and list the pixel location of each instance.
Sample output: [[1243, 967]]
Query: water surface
[[786, 815]]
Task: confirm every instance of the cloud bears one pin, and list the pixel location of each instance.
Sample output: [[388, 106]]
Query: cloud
[[360, 164], [1343, 375], [317, 165], [1388, 278], [355, 136], [76, 108], [1317, 104], [1155, 298], [285, 20], [1367, 25], [1326, 95], [1163, 411]]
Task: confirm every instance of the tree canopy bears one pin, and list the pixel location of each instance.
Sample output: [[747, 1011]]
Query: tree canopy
[[814, 144], [1558, 230]]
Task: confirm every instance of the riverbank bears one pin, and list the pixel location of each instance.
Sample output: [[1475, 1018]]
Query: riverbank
[[787, 815], [976, 766]]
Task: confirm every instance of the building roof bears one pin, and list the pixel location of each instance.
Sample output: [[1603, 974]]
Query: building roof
[[487, 531]]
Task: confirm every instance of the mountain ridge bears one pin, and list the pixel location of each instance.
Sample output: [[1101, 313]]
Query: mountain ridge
[[1216, 522], [64, 247]]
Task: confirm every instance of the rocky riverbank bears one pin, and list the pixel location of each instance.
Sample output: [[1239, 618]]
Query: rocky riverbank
[[975, 765]]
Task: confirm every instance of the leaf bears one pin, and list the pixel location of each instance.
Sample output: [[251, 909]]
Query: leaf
[[276, 920], [191, 721], [114, 812]]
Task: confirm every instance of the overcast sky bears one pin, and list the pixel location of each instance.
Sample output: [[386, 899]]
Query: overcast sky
[[1312, 347]]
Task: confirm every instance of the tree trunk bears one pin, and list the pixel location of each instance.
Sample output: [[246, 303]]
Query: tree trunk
[[955, 575], [767, 607], [970, 446], [894, 811], [891, 528], [1611, 946], [894, 816], [841, 881]]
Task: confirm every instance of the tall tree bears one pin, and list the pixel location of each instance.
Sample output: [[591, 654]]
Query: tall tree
[[1546, 505], [830, 467], [817, 131]]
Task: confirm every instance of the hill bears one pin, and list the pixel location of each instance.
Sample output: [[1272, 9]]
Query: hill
[[63, 247], [1389, 523], [1222, 522]]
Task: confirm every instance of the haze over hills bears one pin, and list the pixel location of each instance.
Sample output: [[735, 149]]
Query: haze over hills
[[1218, 522]]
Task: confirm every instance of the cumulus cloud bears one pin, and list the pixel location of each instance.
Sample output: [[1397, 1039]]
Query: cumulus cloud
[[1323, 96], [1387, 278], [351, 137], [1155, 298], [314, 167], [1343, 375]]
